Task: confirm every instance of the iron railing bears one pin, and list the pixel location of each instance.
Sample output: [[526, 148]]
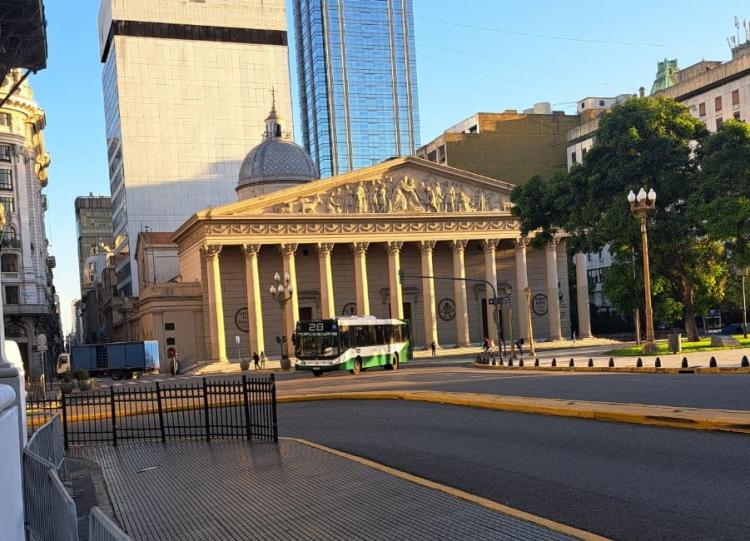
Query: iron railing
[[216, 409]]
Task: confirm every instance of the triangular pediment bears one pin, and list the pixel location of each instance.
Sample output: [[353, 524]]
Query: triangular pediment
[[399, 186]]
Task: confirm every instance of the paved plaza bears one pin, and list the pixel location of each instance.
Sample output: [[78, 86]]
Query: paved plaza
[[233, 490]]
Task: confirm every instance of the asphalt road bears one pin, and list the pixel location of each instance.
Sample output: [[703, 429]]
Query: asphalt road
[[688, 390], [622, 481]]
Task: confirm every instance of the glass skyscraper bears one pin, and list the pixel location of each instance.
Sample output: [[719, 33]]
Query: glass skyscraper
[[358, 81]]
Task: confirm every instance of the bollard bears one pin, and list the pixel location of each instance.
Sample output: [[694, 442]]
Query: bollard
[[536, 361], [611, 362], [591, 362], [684, 362], [554, 361], [639, 363], [712, 362], [571, 363], [520, 363], [744, 363], [657, 364], [510, 361]]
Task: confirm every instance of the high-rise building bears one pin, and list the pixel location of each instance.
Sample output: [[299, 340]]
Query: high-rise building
[[187, 86], [93, 227], [29, 299], [358, 81]]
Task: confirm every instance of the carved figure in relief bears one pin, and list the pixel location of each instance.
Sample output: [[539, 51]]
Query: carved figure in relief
[[334, 204], [481, 202], [464, 202], [409, 190], [450, 199], [399, 199], [432, 200], [361, 199], [310, 205], [381, 198]]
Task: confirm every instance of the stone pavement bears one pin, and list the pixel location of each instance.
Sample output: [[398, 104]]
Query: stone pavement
[[234, 490]]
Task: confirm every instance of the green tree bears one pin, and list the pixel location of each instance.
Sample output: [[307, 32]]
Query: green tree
[[647, 142]]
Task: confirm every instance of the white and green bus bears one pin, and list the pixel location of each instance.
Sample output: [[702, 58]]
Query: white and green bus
[[352, 343]]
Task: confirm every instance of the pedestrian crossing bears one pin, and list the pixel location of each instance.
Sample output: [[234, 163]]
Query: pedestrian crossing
[[107, 383]]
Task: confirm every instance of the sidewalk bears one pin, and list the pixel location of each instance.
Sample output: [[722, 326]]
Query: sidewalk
[[293, 490]]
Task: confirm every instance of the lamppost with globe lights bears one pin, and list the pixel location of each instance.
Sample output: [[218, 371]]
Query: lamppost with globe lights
[[641, 204], [282, 292]]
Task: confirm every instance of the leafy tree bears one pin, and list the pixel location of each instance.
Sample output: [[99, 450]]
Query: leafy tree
[[647, 142]]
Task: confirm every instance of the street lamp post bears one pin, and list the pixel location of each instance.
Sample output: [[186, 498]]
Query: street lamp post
[[282, 292], [532, 351], [641, 204]]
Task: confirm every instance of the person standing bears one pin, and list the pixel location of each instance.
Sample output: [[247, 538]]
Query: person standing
[[256, 360], [433, 348]]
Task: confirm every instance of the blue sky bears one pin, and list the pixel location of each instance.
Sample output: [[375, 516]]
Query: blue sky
[[472, 55]]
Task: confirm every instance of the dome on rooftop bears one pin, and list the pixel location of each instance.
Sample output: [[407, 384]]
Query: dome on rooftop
[[274, 164]]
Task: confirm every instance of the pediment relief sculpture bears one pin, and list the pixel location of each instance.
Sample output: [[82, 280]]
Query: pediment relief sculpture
[[398, 195]]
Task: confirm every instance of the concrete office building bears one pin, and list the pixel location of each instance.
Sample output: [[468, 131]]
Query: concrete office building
[[93, 227], [186, 88], [357, 82], [508, 146]]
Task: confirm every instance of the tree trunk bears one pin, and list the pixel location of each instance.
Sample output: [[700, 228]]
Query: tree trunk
[[688, 301]]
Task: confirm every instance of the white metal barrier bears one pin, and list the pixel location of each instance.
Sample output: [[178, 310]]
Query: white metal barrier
[[103, 528]]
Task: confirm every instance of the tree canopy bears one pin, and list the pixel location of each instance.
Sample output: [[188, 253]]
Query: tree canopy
[[651, 143]]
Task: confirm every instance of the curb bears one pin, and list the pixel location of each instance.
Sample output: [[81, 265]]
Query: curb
[[621, 369], [457, 493], [661, 416]]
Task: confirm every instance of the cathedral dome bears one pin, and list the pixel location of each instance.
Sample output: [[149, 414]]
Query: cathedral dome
[[274, 164]]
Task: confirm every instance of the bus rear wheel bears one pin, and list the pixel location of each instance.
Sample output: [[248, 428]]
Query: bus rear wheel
[[357, 366]]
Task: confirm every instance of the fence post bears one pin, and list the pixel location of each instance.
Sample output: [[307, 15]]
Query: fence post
[[245, 401], [65, 421], [161, 413], [205, 410], [114, 415], [273, 408]]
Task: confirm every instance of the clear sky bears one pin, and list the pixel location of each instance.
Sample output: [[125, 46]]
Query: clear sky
[[472, 55]]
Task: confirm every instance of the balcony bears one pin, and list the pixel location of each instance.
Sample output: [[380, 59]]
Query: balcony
[[11, 276]]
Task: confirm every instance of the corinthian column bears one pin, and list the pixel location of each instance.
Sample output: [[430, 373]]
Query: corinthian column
[[522, 282], [490, 275], [326, 280], [553, 292], [396, 297], [428, 294], [215, 303], [459, 293], [582, 297], [254, 311], [291, 311], [360, 277]]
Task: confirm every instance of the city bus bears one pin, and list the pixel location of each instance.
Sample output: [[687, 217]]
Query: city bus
[[352, 343]]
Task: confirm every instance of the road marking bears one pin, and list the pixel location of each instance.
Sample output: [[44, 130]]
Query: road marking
[[484, 502]]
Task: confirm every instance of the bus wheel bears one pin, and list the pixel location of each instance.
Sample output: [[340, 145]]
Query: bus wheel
[[118, 374], [357, 366], [394, 362]]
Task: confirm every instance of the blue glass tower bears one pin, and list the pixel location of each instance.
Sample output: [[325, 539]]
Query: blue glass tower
[[358, 81]]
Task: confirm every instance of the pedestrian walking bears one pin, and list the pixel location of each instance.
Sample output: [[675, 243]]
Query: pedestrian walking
[[486, 344], [433, 347], [256, 360], [519, 345]]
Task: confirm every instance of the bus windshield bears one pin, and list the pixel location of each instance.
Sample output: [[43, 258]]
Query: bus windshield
[[321, 345]]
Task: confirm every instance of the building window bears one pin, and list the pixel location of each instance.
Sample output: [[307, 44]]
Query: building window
[[11, 294], [169, 326], [8, 203], [735, 97], [702, 109], [9, 262], [737, 115], [171, 341], [6, 179], [583, 153], [719, 122], [6, 120], [717, 103], [572, 157], [601, 103], [5, 153]]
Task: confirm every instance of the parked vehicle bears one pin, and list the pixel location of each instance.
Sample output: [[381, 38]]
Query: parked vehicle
[[731, 328], [118, 360]]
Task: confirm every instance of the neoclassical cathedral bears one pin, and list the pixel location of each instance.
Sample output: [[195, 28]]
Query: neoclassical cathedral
[[387, 240]]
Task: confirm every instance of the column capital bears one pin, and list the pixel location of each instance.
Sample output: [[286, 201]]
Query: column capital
[[458, 246], [552, 244], [360, 247], [426, 246], [250, 249], [288, 249], [394, 246], [490, 244], [212, 249], [522, 243], [325, 248]]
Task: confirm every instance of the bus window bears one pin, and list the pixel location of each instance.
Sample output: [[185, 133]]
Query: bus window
[[362, 337], [344, 337], [372, 335], [397, 333]]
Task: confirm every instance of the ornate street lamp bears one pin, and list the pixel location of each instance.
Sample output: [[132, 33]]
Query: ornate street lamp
[[641, 204], [532, 351], [282, 292]]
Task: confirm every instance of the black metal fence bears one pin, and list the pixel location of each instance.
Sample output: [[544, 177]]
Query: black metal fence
[[216, 409]]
